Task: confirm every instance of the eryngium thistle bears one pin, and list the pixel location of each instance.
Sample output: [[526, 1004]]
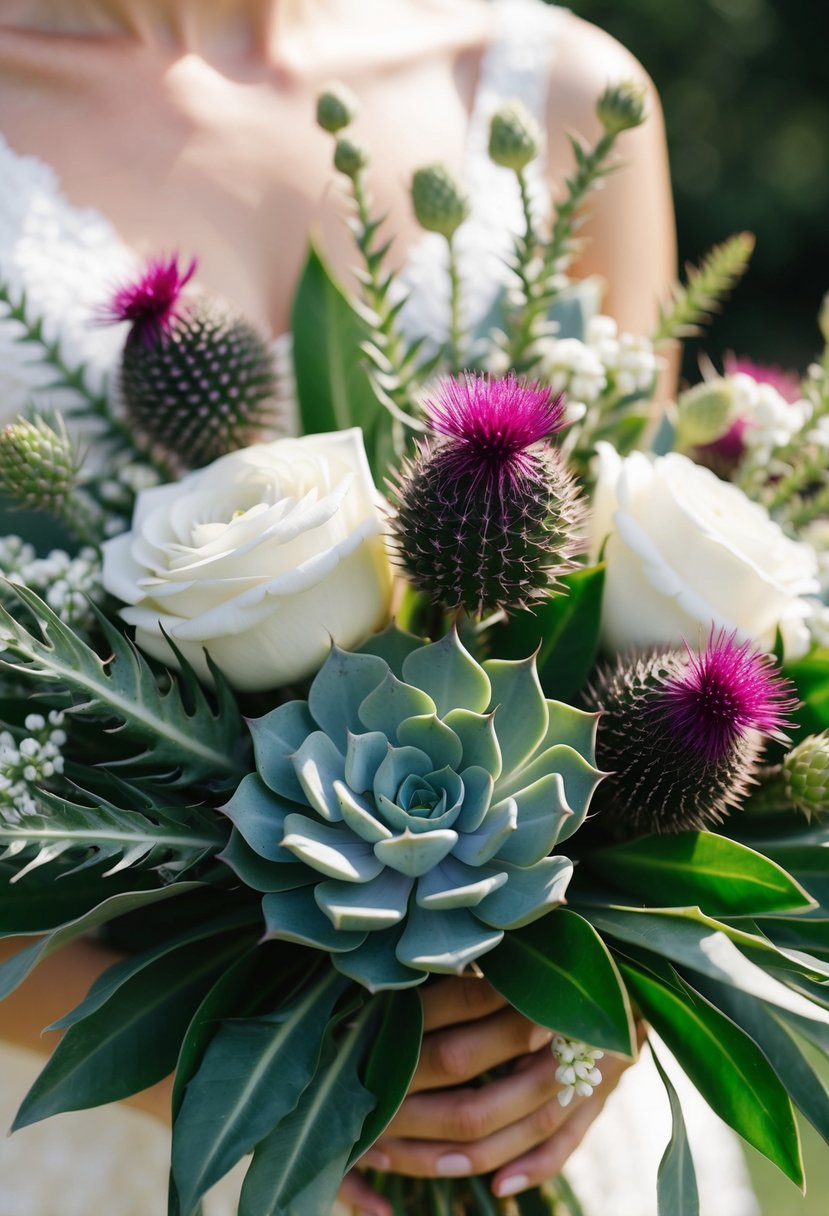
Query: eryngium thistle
[[440, 202], [488, 516], [336, 107], [622, 107], [514, 136], [806, 775], [196, 377], [682, 734], [38, 464]]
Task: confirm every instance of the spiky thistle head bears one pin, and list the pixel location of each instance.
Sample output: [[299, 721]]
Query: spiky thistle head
[[439, 201], [197, 378], [682, 734], [152, 302], [336, 107], [806, 775], [39, 464], [515, 137], [487, 514], [622, 106]]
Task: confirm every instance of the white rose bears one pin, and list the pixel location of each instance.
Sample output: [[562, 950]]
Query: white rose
[[261, 559], [686, 551]]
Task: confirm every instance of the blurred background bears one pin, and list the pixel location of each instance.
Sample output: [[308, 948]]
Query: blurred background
[[745, 88]]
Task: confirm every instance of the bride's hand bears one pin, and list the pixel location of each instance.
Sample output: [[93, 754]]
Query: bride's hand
[[514, 1124]]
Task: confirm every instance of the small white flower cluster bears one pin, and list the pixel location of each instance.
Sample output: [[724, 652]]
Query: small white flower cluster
[[577, 1069], [67, 584], [606, 364], [29, 763], [118, 494], [773, 420]]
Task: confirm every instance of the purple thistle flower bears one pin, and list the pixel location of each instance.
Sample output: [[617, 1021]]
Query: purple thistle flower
[[151, 302], [723, 694], [491, 425]]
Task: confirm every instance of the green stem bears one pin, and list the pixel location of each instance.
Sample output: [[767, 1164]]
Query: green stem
[[455, 323]]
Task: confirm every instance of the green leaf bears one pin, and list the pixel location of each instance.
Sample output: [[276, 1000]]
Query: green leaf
[[804, 1085], [17, 968], [559, 973], [251, 1076], [106, 833], [676, 1182], [40, 904], [566, 625], [298, 1168], [178, 729], [334, 390], [727, 1067], [133, 1040], [699, 868], [391, 1064]]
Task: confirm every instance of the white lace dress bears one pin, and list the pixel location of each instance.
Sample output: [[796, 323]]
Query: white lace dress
[[113, 1161]]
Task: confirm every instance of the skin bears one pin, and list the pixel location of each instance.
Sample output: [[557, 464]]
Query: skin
[[198, 135]]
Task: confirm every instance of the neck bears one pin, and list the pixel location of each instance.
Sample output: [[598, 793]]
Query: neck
[[186, 24]]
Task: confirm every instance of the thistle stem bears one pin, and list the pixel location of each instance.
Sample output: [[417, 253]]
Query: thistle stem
[[455, 323]]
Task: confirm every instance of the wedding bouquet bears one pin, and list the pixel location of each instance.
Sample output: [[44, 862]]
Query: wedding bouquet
[[492, 670]]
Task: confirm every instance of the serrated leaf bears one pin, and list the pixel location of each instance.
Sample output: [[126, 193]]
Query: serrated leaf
[[178, 728]]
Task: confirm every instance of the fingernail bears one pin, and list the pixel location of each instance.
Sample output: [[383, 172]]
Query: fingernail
[[376, 1160], [453, 1165], [540, 1037], [511, 1186]]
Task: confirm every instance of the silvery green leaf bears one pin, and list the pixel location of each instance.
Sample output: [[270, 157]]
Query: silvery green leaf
[[359, 815], [391, 703], [397, 765], [364, 755], [375, 963], [257, 872], [259, 816], [377, 904], [580, 778], [482, 845], [343, 683], [416, 854], [293, 916], [392, 644], [449, 674], [478, 739], [444, 941], [318, 764], [478, 786], [453, 884], [276, 737], [542, 814], [521, 718], [575, 727], [527, 894], [331, 849], [428, 733]]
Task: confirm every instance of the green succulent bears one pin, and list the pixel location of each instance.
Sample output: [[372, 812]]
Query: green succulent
[[403, 817]]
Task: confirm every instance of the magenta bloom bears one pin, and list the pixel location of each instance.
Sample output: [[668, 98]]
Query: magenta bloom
[[491, 426], [723, 694], [151, 302], [786, 383]]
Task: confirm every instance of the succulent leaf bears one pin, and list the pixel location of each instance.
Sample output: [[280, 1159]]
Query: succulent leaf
[[403, 819]]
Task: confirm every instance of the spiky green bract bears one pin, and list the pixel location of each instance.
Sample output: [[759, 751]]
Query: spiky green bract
[[202, 386], [487, 514], [440, 202], [514, 136], [806, 775], [403, 817], [622, 107], [693, 302], [658, 782]]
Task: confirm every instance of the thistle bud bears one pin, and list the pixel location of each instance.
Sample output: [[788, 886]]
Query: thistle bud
[[38, 464], [621, 107], [514, 136], [806, 775], [705, 412], [487, 514], [439, 201], [681, 735], [336, 108], [350, 157], [196, 377]]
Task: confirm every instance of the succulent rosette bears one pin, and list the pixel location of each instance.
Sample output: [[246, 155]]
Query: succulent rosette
[[403, 817]]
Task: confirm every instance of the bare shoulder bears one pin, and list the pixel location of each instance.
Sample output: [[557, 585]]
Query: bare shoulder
[[585, 61]]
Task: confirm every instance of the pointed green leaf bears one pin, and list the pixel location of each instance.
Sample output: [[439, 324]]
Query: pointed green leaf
[[521, 717], [676, 1182], [559, 973], [342, 684], [393, 1055], [447, 672]]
